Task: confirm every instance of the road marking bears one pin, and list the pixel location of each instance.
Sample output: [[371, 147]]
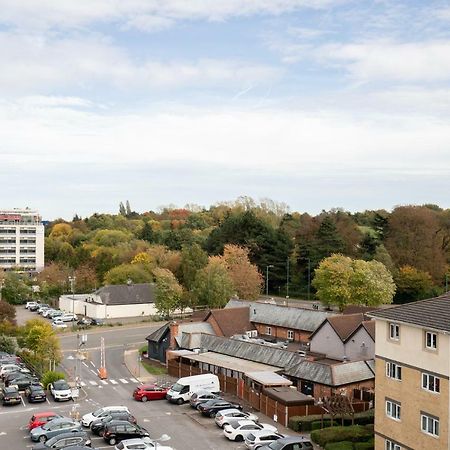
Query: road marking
[[93, 371], [93, 365], [82, 383], [134, 380], [114, 382], [103, 381], [84, 364], [122, 380], [94, 383]]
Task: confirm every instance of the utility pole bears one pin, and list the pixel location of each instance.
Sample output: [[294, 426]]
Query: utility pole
[[267, 278], [309, 278], [287, 277]]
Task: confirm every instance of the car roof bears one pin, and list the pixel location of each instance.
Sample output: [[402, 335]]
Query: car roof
[[242, 422], [70, 434], [265, 432], [228, 410], [62, 419], [119, 422], [43, 414], [293, 439]]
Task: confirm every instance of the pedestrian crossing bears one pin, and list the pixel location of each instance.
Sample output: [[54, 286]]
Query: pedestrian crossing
[[108, 382]]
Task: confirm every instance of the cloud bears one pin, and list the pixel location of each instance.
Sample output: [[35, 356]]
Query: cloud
[[144, 14], [35, 63]]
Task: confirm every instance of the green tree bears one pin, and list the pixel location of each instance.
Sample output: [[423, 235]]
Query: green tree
[[124, 272], [7, 313], [8, 344], [168, 291], [412, 284], [213, 286], [341, 281], [193, 258], [147, 234], [15, 289]]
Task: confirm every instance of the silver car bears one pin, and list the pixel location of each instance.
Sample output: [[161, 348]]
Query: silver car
[[53, 428], [258, 438]]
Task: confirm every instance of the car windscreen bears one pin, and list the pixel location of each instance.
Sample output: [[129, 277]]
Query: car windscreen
[[251, 437], [61, 386], [177, 387], [98, 412], [276, 445]]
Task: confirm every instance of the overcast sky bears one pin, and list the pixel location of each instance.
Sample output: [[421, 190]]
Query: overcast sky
[[315, 103]]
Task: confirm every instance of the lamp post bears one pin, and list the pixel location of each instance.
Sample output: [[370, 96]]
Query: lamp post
[[72, 288], [287, 277], [2, 284], [309, 278], [267, 278]]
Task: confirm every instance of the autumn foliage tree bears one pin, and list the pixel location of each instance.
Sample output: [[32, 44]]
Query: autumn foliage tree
[[412, 284], [168, 291]]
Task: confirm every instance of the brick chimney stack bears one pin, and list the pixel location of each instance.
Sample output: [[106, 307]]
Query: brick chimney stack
[[173, 328]]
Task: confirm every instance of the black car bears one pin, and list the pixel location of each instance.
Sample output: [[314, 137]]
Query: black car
[[35, 393], [22, 381], [118, 430], [212, 407], [75, 438], [35, 307], [289, 443], [98, 426], [10, 396]]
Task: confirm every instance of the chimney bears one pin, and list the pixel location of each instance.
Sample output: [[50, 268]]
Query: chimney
[[173, 330]]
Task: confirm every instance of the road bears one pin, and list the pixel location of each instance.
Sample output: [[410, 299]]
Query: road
[[186, 427]]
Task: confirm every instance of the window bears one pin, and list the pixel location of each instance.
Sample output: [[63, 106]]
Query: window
[[431, 383], [430, 340], [268, 331], [392, 445], [393, 409], [393, 370], [394, 331], [430, 424], [290, 335]]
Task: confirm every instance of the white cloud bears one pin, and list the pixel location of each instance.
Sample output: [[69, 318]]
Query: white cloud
[[409, 62], [79, 13], [34, 63], [149, 23]]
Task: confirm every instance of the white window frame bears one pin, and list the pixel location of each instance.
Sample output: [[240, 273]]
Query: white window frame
[[429, 381], [392, 445], [269, 331], [430, 423], [393, 410], [290, 335], [433, 340], [394, 331], [393, 371]]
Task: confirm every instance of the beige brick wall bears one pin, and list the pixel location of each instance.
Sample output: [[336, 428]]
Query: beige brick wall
[[413, 400]]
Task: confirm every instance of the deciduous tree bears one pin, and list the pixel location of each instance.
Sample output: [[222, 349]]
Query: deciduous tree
[[412, 284], [193, 258], [168, 291]]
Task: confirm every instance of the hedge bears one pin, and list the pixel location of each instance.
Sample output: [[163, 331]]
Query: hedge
[[361, 418], [344, 445], [369, 445], [317, 425], [304, 423], [353, 433]]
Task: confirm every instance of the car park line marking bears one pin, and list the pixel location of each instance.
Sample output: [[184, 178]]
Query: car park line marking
[[82, 362], [93, 371], [93, 365], [122, 380], [23, 403], [114, 382]]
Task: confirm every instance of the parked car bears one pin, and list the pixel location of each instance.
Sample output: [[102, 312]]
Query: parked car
[[60, 390], [118, 430], [225, 416], [54, 314], [41, 418], [68, 317], [59, 324], [202, 397], [35, 393], [43, 307], [34, 307], [29, 305], [258, 438], [98, 425], [140, 444], [87, 419], [9, 368], [289, 443], [149, 392], [63, 440], [53, 428], [11, 376], [10, 396], [47, 312], [238, 430], [212, 407], [22, 381]]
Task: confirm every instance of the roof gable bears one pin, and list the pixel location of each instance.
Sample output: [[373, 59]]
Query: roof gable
[[231, 321], [343, 326]]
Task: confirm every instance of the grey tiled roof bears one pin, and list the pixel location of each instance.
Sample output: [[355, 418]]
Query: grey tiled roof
[[192, 328], [282, 316], [430, 313], [159, 334], [124, 294]]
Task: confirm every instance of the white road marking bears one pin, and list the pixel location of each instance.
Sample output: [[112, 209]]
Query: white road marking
[[122, 380], [84, 364], [94, 383], [114, 382], [93, 365], [103, 381], [93, 371], [82, 383], [134, 380]]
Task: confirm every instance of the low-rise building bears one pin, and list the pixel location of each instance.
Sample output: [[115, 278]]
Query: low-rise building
[[412, 354]]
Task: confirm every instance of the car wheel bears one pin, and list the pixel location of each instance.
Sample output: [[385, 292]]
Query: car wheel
[[212, 414], [144, 399], [180, 401], [239, 438], [42, 438], [112, 441]]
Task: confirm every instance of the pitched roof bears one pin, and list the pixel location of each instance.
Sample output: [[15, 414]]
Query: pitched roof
[[369, 325], [344, 326], [282, 316], [127, 294], [353, 309], [232, 321], [159, 334], [429, 313], [192, 328]]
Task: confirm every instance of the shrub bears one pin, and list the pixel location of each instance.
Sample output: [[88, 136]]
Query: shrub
[[361, 418], [344, 445], [317, 425], [303, 423], [353, 433], [8, 344], [369, 445], [50, 377]]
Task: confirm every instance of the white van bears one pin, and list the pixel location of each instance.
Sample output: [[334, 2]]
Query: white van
[[87, 419], [183, 389]]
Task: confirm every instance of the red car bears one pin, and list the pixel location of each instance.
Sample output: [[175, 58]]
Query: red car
[[149, 392], [39, 419]]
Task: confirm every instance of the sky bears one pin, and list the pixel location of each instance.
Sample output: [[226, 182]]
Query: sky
[[313, 103]]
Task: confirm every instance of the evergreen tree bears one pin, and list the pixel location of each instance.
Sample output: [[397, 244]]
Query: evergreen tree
[[147, 233], [122, 211], [128, 209]]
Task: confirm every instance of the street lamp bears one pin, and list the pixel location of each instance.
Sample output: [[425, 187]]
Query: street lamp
[[72, 288], [267, 278], [2, 284]]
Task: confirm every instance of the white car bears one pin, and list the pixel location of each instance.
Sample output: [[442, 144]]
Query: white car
[[27, 306], [59, 324], [225, 416], [240, 429], [87, 419], [260, 438], [47, 312], [60, 390], [68, 317], [140, 444]]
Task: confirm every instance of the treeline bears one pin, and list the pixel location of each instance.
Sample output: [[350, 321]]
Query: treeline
[[204, 255]]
